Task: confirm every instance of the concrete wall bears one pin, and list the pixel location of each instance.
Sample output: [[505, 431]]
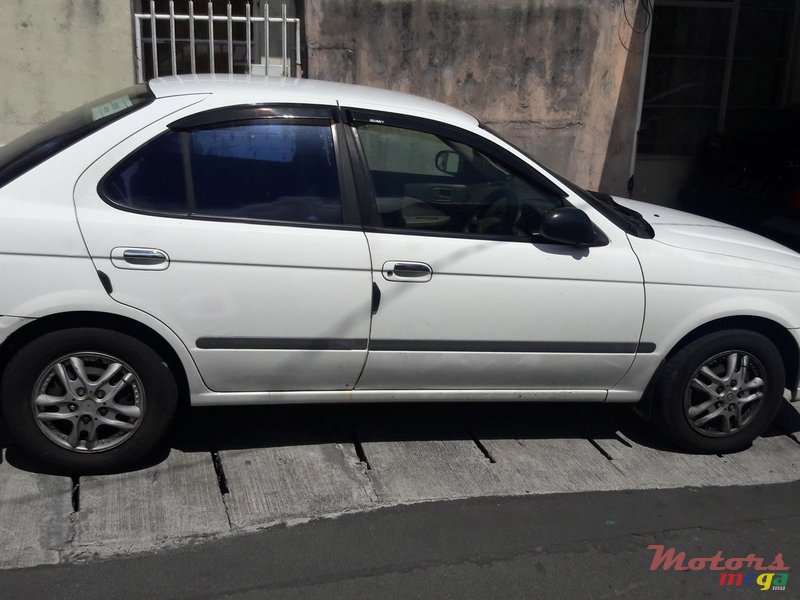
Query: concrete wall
[[554, 76], [58, 54]]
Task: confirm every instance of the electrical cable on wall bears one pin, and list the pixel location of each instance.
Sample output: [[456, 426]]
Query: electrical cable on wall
[[647, 7]]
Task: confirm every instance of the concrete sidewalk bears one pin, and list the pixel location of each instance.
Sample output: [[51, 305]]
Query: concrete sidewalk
[[592, 545], [239, 469]]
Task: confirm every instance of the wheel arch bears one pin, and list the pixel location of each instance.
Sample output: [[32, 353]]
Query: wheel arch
[[114, 322], [775, 332]]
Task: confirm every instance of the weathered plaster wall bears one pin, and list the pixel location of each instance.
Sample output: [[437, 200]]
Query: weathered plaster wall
[[58, 54], [554, 76]]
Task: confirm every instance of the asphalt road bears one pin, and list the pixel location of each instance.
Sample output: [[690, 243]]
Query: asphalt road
[[580, 545]]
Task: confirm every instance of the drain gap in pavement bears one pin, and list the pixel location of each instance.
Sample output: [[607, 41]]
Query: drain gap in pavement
[[622, 440], [484, 450], [76, 493], [599, 448], [222, 480], [359, 448]]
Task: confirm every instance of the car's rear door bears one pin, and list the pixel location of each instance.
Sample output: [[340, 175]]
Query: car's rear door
[[470, 300], [237, 229]]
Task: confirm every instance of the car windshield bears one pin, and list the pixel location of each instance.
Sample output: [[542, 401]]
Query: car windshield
[[628, 220], [34, 147]]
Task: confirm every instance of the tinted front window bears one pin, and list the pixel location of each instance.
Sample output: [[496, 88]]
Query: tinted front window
[[427, 182], [39, 144], [266, 170]]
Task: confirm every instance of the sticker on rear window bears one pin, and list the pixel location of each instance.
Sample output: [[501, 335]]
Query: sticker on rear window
[[111, 107]]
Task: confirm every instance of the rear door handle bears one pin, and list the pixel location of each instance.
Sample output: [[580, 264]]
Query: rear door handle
[[376, 298], [407, 271], [149, 259]]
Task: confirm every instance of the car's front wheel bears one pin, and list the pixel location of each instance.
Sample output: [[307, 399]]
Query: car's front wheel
[[719, 392], [88, 400]]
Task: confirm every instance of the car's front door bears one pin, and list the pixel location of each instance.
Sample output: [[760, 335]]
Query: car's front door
[[236, 230], [468, 299]]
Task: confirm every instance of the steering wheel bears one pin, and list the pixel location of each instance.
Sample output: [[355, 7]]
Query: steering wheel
[[497, 213]]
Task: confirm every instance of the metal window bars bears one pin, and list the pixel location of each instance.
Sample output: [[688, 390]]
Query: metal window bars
[[285, 68]]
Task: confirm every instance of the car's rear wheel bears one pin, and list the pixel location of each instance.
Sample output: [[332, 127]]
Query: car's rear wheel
[[88, 400], [720, 392]]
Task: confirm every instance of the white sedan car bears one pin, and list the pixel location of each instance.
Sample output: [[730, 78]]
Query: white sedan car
[[240, 240]]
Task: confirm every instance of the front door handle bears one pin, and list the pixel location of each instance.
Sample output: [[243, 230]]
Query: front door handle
[[150, 259], [407, 271]]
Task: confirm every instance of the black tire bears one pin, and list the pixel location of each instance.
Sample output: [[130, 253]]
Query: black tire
[[154, 386], [673, 395]]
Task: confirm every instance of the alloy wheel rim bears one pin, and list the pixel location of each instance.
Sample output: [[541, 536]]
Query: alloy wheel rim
[[725, 393], [88, 402]]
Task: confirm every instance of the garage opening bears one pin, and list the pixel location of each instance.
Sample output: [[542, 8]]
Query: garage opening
[[717, 70]]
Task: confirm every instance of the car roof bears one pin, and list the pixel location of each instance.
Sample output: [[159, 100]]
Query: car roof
[[255, 89]]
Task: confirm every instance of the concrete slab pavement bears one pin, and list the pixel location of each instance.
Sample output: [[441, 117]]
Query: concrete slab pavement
[[176, 500], [239, 469], [35, 516], [416, 470], [266, 485], [550, 465]]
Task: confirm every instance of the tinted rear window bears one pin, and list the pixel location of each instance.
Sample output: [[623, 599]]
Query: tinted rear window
[[261, 170], [36, 146]]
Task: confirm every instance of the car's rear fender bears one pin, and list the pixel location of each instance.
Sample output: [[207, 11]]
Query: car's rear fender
[[15, 332]]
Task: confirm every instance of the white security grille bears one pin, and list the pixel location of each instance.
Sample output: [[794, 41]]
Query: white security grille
[[193, 42]]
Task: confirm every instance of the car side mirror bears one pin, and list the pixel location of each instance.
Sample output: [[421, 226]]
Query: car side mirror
[[448, 162], [568, 225]]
